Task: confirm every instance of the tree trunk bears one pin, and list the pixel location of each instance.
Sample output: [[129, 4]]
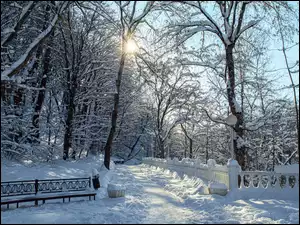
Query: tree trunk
[[191, 148], [273, 148], [162, 149], [41, 93], [187, 137], [72, 85], [238, 150], [68, 134], [294, 89], [71, 110], [108, 145], [206, 147], [185, 146], [48, 117], [16, 28]]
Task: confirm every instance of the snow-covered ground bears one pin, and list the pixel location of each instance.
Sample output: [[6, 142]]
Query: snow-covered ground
[[152, 196]]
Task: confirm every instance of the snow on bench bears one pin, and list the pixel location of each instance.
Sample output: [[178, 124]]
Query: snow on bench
[[35, 190]]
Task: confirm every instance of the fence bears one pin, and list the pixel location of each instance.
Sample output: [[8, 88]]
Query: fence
[[254, 184], [258, 184], [26, 187], [192, 167]]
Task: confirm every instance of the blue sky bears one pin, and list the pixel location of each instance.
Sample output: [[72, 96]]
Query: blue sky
[[278, 62], [277, 58]]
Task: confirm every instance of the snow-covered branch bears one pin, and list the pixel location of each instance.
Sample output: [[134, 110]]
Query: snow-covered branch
[[22, 61], [13, 31]]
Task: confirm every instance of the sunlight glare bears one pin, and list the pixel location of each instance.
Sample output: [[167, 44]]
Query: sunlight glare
[[131, 46]]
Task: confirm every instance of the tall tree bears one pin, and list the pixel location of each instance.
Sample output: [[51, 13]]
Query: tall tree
[[228, 26], [129, 22]]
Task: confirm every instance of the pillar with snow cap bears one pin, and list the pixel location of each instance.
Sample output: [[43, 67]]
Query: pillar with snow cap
[[233, 173]]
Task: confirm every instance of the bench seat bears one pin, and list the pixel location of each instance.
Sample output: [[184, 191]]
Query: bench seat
[[46, 189]]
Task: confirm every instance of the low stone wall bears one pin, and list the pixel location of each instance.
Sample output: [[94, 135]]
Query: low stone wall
[[260, 184], [255, 184], [192, 167]]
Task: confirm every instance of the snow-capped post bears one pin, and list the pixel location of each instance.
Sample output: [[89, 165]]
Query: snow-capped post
[[96, 182], [233, 173], [211, 163]]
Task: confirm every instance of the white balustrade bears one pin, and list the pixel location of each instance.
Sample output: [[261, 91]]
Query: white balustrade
[[267, 182]]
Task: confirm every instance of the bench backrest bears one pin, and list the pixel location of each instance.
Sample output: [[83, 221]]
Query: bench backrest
[[28, 187]]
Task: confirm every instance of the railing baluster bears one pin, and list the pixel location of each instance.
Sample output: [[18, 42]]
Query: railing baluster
[[269, 177], [251, 184], [277, 184], [286, 184], [287, 181], [260, 185], [242, 180], [36, 185]]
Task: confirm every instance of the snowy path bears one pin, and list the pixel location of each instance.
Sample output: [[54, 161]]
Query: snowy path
[[152, 196], [145, 202], [162, 206]]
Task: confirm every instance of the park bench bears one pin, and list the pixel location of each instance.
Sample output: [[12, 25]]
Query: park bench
[[42, 190]]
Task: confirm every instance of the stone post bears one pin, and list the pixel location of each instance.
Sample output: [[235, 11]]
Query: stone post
[[233, 172]]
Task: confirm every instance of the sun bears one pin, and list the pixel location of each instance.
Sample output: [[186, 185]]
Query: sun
[[130, 46]]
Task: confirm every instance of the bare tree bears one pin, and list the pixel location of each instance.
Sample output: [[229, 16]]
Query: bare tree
[[229, 28], [290, 72], [129, 21]]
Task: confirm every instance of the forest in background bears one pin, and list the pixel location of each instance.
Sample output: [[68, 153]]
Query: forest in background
[[70, 88]]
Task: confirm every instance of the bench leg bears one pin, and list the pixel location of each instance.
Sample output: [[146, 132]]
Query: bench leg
[[44, 201], [36, 202], [89, 197], [17, 204], [69, 199], [7, 206], [94, 197], [63, 200]]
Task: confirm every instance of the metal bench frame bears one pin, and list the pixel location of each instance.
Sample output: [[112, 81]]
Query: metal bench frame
[[43, 189]]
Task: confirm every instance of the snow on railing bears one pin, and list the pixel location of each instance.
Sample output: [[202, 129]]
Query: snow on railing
[[192, 167], [253, 184]]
